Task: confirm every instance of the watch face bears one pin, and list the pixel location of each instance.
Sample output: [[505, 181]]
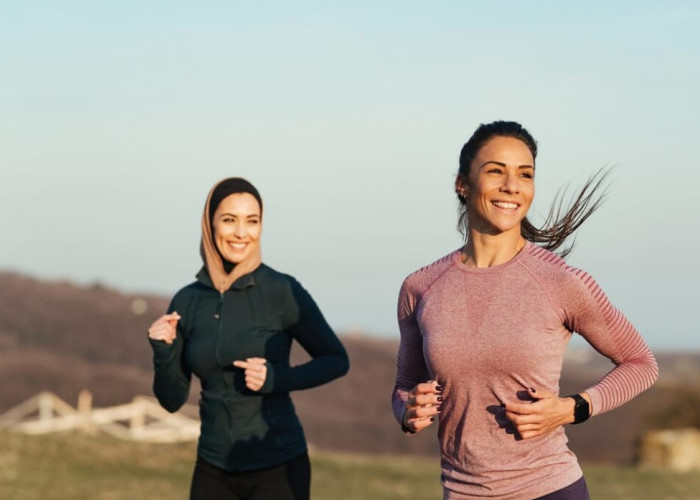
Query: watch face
[[581, 409]]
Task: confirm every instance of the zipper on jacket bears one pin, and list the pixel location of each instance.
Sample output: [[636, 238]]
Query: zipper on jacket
[[228, 375], [217, 316]]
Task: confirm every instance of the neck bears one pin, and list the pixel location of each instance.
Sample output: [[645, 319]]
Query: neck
[[487, 250]]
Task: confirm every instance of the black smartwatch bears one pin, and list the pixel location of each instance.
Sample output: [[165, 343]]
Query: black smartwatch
[[581, 408]]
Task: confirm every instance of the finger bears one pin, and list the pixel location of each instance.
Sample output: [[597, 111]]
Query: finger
[[240, 364], [162, 336], [171, 318], [523, 419], [255, 368], [159, 329], [530, 434], [427, 399], [423, 411], [418, 425], [426, 388], [528, 428], [256, 361], [540, 393], [523, 408]]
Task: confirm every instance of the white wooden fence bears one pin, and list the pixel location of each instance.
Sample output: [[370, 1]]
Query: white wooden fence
[[141, 420]]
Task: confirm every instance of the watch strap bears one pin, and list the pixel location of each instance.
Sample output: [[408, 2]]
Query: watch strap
[[581, 408]]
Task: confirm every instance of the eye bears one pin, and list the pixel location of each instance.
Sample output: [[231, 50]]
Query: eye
[[227, 220], [528, 175], [494, 170]]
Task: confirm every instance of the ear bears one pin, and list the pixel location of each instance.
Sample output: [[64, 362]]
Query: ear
[[461, 187]]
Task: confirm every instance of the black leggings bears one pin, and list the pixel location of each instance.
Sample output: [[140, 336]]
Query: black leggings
[[575, 491], [288, 481]]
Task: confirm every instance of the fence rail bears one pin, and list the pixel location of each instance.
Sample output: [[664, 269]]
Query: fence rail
[[141, 420]]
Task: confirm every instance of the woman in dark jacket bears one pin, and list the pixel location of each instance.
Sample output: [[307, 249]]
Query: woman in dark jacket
[[233, 328]]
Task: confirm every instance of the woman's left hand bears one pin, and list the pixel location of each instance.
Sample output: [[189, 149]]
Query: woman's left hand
[[540, 417], [255, 372]]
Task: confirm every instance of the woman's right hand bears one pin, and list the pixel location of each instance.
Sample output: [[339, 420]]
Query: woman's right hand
[[164, 328], [424, 402]]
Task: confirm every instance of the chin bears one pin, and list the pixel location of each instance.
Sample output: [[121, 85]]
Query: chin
[[237, 259]]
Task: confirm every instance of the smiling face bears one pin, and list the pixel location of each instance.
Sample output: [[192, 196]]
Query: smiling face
[[500, 186], [237, 226]]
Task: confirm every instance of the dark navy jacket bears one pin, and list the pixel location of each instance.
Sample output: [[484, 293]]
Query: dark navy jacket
[[258, 316]]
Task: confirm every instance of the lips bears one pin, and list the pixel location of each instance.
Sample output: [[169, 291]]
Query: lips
[[505, 205], [238, 246]]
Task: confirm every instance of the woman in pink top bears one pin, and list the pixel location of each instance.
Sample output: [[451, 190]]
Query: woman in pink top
[[484, 330]]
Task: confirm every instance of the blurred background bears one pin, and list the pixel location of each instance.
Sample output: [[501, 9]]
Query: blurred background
[[117, 118]]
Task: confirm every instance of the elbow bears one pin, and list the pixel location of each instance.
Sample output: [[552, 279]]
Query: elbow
[[342, 365], [654, 370], [170, 405], [168, 400], [648, 370]]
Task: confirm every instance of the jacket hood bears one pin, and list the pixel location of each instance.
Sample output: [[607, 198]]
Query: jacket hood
[[213, 262]]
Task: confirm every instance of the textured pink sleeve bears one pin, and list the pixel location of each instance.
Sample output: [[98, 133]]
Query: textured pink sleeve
[[410, 363], [591, 314]]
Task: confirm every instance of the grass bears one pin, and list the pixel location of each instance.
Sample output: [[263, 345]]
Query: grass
[[77, 467]]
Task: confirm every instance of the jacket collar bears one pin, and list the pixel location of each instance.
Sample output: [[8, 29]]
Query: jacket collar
[[245, 281]]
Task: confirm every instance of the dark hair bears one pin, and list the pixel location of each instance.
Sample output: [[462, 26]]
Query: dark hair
[[230, 186], [561, 222]]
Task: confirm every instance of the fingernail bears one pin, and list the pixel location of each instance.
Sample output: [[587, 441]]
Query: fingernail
[[439, 408], [532, 389], [432, 419], [439, 398], [438, 388]]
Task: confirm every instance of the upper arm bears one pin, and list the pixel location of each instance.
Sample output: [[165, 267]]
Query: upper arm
[[411, 368], [309, 327]]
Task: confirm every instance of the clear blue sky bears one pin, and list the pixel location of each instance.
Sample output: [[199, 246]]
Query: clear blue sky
[[117, 117]]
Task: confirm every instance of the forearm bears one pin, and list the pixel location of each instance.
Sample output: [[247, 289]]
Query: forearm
[[317, 371], [398, 403], [623, 383], [171, 382]]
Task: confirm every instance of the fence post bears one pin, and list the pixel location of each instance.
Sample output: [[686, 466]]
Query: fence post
[[85, 411]]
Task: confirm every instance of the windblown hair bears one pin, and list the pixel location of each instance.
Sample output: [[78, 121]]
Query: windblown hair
[[562, 221]]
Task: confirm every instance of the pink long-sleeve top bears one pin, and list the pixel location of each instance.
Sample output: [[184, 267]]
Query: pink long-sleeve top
[[487, 335]]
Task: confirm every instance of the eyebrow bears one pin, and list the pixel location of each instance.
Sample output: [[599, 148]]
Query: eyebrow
[[501, 164], [247, 216]]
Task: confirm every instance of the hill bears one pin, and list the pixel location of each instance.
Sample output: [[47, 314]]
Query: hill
[[62, 337]]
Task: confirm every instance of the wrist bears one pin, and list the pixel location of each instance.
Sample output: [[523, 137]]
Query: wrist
[[581, 408], [568, 405]]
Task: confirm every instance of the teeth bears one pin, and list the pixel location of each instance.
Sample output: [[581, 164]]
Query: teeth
[[238, 246], [505, 205]]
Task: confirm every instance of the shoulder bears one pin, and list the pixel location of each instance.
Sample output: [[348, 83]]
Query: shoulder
[[427, 275], [418, 282], [555, 273], [187, 292], [278, 286], [271, 278]]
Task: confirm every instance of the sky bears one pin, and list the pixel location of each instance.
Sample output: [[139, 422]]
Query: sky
[[116, 118]]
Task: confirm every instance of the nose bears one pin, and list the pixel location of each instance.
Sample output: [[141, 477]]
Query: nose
[[511, 183], [239, 229]]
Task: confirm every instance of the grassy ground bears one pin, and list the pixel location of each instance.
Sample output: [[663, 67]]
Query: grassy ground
[[71, 466]]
